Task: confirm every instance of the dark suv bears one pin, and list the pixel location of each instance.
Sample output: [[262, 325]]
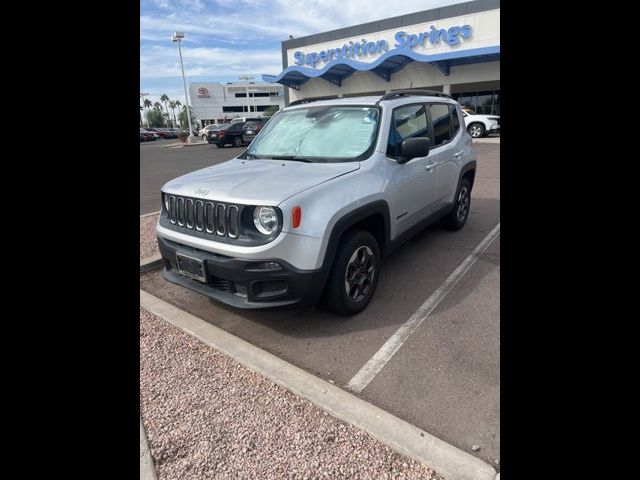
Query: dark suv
[[227, 134], [251, 129]]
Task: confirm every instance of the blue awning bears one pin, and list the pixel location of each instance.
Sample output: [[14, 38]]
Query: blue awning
[[385, 66]]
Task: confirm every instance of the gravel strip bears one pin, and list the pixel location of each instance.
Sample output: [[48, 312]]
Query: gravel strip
[[207, 416], [148, 242]]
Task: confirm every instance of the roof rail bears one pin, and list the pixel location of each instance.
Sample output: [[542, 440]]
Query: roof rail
[[405, 93], [308, 100]]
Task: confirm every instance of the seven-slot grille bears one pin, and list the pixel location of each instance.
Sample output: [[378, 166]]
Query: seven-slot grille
[[214, 218]]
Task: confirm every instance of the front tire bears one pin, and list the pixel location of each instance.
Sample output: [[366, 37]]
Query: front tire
[[458, 215], [354, 275], [204, 138], [476, 130]]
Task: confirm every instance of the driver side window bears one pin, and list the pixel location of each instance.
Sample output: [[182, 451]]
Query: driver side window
[[407, 122]]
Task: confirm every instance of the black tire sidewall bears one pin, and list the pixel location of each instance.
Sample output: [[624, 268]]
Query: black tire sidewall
[[451, 220], [336, 298]]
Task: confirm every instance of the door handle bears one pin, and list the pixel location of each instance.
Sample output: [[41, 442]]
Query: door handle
[[430, 166], [457, 154]]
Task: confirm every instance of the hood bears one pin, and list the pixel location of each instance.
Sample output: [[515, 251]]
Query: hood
[[256, 182]]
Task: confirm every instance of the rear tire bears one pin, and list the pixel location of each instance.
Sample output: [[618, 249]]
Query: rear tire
[[204, 138], [220, 145], [458, 215], [354, 275], [237, 142]]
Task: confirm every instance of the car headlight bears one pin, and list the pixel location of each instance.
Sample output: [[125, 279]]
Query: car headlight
[[265, 219]]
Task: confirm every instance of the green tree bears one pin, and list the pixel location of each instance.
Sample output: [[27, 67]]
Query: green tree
[[155, 118], [270, 110], [184, 122]]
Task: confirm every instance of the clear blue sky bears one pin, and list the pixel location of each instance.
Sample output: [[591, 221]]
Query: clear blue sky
[[227, 38]]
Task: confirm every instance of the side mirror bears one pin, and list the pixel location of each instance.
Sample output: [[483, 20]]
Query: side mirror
[[415, 147]]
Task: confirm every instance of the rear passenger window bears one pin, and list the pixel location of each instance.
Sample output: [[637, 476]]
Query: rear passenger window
[[455, 120], [440, 117], [409, 121]]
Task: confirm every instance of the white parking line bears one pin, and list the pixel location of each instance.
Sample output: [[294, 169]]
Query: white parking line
[[391, 346]]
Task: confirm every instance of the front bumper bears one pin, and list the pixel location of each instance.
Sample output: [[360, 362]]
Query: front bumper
[[240, 284]]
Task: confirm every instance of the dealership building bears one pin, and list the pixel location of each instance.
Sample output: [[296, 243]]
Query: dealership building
[[220, 102], [453, 49]]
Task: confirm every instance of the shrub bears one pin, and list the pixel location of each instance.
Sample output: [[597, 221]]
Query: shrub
[[182, 136]]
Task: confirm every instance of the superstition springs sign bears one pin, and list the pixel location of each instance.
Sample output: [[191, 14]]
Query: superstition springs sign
[[355, 50]]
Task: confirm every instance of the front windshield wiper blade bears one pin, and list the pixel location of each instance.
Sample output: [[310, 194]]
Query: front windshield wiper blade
[[290, 157]]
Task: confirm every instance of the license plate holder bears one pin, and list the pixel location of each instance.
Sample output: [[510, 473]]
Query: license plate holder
[[191, 267]]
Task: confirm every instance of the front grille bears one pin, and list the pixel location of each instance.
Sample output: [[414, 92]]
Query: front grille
[[215, 218]]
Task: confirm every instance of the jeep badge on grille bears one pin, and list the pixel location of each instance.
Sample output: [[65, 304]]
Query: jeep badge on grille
[[202, 191]]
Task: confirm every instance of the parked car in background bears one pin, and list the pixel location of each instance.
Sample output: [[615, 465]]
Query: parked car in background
[[149, 134], [228, 134], [251, 129], [480, 125], [161, 132], [204, 133], [171, 133], [244, 119]]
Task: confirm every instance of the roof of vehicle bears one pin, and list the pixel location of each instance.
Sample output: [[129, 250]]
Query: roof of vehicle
[[399, 98]]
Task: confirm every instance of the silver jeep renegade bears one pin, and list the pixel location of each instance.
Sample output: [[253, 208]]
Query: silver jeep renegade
[[324, 191]]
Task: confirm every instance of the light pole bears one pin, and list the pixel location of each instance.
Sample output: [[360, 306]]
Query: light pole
[[247, 78], [176, 37]]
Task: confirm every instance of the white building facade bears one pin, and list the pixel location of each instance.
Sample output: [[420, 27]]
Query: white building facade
[[220, 102], [453, 49]]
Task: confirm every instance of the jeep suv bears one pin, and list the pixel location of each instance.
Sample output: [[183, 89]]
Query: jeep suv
[[322, 194]]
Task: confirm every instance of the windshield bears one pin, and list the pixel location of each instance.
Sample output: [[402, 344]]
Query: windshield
[[318, 134]]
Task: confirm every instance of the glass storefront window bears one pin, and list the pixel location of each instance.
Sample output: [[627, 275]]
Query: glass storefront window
[[483, 103]]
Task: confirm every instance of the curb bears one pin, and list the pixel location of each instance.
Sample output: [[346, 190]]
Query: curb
[[145, 215], [150, 264], [401, 436], [147, 470]]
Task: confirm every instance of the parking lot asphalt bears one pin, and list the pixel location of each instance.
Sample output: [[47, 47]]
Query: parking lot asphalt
[[445, 377], [159, 164]]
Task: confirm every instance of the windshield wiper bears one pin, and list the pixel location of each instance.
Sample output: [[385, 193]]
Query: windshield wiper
[[290, 157]]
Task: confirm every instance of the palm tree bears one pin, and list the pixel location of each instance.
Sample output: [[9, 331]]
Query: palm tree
[[141, 115], [178, 105], [147, 104], [172, 106], [164, 99]]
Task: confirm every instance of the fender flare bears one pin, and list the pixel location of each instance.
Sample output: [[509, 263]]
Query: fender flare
[[348, 220], [471, 166]]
